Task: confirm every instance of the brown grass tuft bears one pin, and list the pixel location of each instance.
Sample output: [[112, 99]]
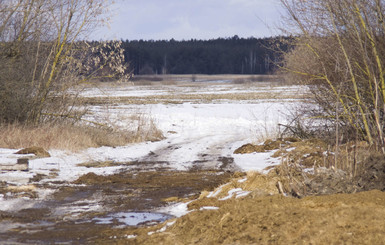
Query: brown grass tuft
[[73, 137]]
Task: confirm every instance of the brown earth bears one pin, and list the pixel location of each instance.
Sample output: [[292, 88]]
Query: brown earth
[[268, 145], [332, 219], [283, 207], [264, 217], [51, 221], [326, 206]]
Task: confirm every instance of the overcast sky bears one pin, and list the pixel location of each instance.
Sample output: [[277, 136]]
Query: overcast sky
[[186, 19]]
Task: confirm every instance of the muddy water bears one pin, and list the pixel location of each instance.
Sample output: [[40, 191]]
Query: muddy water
[[79, 211]]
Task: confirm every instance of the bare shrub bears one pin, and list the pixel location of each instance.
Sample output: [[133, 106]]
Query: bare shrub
[[42, 59], [350, 168], [340, 54]]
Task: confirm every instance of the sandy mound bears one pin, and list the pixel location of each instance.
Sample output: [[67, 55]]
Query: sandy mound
[[351, 219]]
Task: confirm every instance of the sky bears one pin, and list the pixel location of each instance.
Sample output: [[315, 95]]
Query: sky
[[191, 19]]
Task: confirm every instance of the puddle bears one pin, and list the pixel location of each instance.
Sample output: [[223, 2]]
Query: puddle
[[133, 218]]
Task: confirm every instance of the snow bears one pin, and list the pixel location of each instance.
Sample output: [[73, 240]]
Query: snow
[[242, 180], [200, 128], [208, 208], [205, 134], [256, 161], [177, 210], [216, 193], [219, 88], [238, 192], [132, 218], [130, 236], [15, 204]]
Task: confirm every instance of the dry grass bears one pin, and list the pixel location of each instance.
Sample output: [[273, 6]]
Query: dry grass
[[170, 79], [226, 77], [196, 98], [73, 137]]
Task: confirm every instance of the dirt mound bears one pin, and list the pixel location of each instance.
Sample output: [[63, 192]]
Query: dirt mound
[[249, 148], [38, 151], [334, 219], [268, 145]]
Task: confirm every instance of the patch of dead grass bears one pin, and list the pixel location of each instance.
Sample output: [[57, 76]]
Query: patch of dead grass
[[73, 137], [99, 164], [196, 98]]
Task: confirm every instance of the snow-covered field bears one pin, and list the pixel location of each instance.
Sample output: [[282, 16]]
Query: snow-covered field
[[198, 135]]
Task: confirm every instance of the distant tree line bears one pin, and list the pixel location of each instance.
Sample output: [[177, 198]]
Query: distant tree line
[[217, 56]]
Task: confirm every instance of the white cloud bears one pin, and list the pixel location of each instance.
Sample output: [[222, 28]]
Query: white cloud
[[201, 19]]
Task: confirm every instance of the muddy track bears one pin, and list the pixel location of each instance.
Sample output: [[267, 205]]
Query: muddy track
[[80, 204], [141, 185], [211, 156]]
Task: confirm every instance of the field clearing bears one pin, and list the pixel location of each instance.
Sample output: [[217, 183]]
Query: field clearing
[[214, 89], [234, 78]]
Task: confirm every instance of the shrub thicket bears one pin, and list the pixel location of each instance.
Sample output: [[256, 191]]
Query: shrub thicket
[[42, 60], [340, 54]]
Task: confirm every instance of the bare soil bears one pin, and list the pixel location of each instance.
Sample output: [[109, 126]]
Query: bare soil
[[331, 219], [265, 217], [55, 221], [350, 211]]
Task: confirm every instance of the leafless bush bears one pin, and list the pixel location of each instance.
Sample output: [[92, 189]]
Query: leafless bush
[[42, 59], [340, 54]]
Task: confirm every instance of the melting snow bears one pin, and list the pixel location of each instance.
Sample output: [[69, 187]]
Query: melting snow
[[238, 192], [203, 132]]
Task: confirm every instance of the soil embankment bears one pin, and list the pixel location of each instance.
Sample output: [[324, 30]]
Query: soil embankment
[[332, 219]]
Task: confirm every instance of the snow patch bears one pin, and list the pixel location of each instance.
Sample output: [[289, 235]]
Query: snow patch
[[209, 208], [238, 192]]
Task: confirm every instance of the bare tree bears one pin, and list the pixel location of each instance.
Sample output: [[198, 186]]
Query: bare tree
[[42, 57], [340, 54]]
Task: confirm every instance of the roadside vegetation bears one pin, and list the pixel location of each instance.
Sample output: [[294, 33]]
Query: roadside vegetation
[[339, 55]]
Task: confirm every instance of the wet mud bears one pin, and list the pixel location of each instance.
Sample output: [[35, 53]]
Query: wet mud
[[78, 212]]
